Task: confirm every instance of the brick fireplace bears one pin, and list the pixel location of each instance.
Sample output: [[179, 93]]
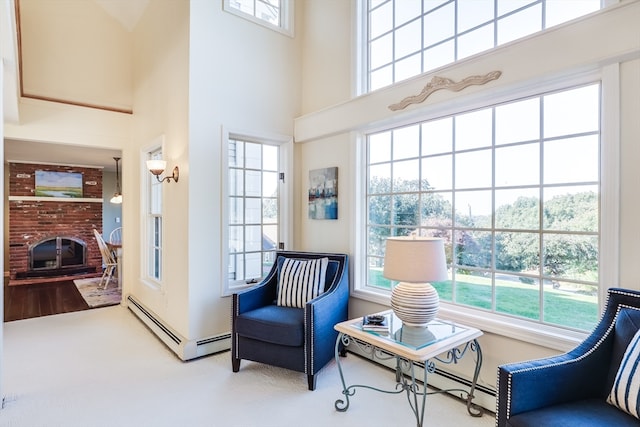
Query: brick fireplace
[[59, 229]]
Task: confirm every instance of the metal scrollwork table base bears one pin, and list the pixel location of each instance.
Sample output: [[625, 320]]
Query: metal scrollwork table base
[[414, 350]]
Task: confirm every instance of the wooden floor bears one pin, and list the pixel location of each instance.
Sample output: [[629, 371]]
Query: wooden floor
[[41, 299]]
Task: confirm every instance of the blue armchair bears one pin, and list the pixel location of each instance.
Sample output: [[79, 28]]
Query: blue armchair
[[300, 339], [571, 389]]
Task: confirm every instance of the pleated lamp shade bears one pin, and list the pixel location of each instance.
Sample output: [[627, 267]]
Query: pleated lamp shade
[[414, 262]]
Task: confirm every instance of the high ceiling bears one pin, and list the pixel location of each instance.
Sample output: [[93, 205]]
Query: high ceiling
[[128, 13]]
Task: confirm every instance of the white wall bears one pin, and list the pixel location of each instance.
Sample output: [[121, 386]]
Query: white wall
[[198, 70], [326, 140], [326, 33], [630, 174], [54, 37], [325, 235], [160, 105], [244, 78]]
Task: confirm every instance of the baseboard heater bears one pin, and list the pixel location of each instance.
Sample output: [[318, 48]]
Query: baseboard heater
[[441, 379], [185, 349]]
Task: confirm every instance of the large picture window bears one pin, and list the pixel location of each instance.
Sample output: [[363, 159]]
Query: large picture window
[[514, 189], [405, 38]]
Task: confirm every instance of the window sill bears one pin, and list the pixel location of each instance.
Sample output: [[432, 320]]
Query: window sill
[[555, 338]]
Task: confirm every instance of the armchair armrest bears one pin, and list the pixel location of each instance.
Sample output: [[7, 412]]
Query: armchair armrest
[[322, 313], [576, 375], [329, 308], [264, 293]]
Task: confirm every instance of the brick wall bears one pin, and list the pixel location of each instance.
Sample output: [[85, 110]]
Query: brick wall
[[31, 220]]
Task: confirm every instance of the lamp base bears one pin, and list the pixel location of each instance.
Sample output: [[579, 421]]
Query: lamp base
[[416, 304]]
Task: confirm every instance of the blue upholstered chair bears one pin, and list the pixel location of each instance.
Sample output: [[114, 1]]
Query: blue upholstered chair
[[571, 389], [300, 339]]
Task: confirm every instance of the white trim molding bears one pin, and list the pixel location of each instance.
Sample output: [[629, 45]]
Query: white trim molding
[[184, 348]]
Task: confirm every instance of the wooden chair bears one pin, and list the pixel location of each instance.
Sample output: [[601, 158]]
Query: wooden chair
[[115, 238], [109, 263]]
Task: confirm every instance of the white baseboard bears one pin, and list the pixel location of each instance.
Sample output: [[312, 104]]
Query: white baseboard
[[185, 349]]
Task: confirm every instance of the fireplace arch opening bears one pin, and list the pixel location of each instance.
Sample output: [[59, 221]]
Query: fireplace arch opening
[[58, 253]]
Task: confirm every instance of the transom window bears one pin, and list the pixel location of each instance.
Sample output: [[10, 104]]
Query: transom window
[[254, 210], [274, 14], [514, 189], [409, 37]]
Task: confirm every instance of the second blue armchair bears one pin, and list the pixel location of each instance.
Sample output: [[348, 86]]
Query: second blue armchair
[[571, 389]]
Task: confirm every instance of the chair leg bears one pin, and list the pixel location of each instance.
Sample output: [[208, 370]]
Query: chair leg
[[311, 379], [109, 273], [103, 283], [235, 364]]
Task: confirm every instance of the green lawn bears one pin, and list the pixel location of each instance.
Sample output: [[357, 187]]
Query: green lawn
[[561, 307]]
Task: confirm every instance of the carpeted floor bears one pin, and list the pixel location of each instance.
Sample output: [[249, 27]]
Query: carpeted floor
[[95, 296], [98, 368]]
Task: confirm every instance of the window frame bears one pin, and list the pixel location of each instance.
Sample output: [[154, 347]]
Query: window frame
[[285, 211], [363, 71], [147, 182], [287, 14], [546, 335]]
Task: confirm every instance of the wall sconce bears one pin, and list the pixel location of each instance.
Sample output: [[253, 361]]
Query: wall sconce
[[157, 167]]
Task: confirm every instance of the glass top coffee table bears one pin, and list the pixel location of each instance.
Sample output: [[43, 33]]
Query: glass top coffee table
[[412, 347]]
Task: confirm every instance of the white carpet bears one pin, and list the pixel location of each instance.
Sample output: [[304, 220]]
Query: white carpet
[[95, 296], [104, 368]]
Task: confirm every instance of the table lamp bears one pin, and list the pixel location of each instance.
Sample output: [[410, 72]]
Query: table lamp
[[414, 262]]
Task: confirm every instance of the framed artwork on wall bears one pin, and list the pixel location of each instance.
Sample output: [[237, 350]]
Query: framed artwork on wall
[[323, 193], [58, 184]]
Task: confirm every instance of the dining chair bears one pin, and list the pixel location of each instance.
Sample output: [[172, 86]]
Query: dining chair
[[109, 263], [115, 238]]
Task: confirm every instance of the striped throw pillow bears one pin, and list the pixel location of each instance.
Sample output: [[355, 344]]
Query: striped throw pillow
[[625, 393], [300, 281]]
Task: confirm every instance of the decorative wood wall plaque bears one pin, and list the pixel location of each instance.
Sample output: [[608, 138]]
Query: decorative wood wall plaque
[[438, 83]]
